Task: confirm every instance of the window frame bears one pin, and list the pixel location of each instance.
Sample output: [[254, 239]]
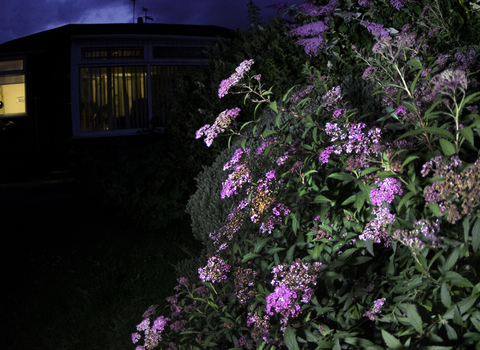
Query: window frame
[[148, 42], [16, 72]]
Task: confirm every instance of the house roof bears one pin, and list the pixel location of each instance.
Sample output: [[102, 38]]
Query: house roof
[[62, 35]]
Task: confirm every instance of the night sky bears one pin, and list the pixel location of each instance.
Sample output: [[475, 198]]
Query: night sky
[[25, 17]]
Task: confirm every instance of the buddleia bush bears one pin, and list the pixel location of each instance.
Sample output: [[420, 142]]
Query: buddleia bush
[[206, 207], [345, 235]]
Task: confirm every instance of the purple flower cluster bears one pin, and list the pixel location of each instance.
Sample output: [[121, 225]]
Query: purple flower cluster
[[222, 122], [377, 307], [369, 73], [310, 29], [354, 140], [338, 112], [263, 196], [385, 191], [442, 59], [244, 280], [376, 229], [262, 148], [237, 156], [313, 10], [364, 3], [316, 29], [357, 163], [332, 97], [398, 4], [240, 174], [299, 95], [290, 283], [215, 270], [234, 222], [236, 180], [423, 230], [269, 225], [261, 325], [153, 334], [283, 301], [325, 154], [235, 78], [447, 82], [375, 28], [299, 275]]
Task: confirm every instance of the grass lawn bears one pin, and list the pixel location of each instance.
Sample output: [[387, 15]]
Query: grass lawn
[[76, 274]]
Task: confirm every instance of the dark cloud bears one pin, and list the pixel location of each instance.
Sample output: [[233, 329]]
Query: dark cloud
[[25, 17]]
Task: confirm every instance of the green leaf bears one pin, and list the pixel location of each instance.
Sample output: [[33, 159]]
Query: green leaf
[[242, 144], [321, 199], [290, 339], [290, 254], [468, 134], [457, 317], [430, 130], [249, 257], [368, 244], [349, 200], [466, 228], [391, 341], [347, 253], [451, 260], [268, 133], [278, 118], [411, 108], [368, 171], [415, 63], [435, 209], [275, 250], [448, 148], [273, 106], [464, 305], [412, 87], [408, 160], [259, 245], [451, 334], [476, 235], [414, 318], [342, 176], [404, 199], [288, 92], [445, 295], [469, 98]]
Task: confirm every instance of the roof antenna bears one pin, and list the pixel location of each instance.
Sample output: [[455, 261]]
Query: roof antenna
[[144, 9], [133, 11]]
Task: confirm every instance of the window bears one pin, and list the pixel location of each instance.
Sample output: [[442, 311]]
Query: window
[[12, 88], [128, 87], [113, 98], [112, 53]]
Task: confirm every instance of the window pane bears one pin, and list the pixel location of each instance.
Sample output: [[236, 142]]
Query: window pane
[[164, 80], [112, 53], [113, 98], [6, 66], [12, 97]]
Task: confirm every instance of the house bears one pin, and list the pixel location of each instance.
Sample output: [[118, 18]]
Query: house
[[93, 82]]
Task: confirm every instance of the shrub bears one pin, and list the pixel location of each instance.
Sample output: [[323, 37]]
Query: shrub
[[349, 235]]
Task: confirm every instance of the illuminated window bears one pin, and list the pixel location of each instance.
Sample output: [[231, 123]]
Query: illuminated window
[[12, 88], [113, 98]]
